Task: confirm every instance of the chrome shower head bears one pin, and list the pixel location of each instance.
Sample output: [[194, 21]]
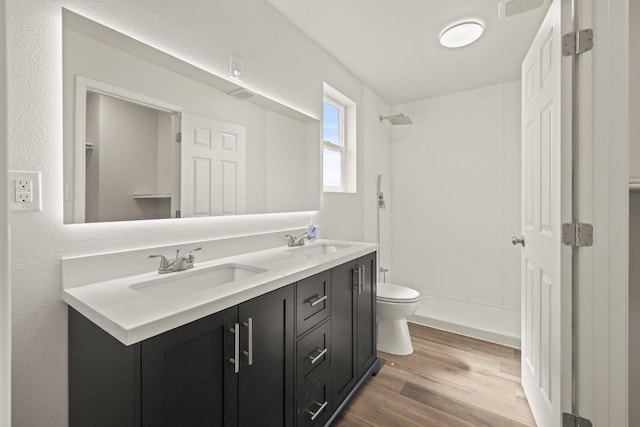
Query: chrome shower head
[[397, 119]]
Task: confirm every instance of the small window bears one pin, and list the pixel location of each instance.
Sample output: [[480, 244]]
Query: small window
[[339, 142], [333, 146]]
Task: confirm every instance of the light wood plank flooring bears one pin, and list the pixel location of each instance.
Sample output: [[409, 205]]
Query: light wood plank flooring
[[450, 380]]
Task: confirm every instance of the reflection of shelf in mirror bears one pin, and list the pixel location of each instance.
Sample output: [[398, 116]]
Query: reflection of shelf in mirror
[[152, 196]]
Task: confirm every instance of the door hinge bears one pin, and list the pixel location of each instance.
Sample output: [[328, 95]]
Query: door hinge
[[577, 234], [179, 137], [571, 420], [178, 213], [577, 43]]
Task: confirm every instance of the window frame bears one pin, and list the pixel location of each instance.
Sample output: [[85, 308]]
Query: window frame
[[340, 148]]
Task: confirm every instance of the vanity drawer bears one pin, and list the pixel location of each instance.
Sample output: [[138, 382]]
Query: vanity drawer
[[315, 407], [314, 355], [313, 301]]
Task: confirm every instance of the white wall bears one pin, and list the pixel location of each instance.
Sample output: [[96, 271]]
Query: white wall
[[278, 62], [456, 204], [377, 161], [285, 154]]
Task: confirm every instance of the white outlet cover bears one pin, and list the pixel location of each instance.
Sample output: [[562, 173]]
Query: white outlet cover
[[25, 185], [235, 67]]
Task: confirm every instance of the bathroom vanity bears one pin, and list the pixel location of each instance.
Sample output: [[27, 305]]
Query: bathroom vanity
[[281, 337]]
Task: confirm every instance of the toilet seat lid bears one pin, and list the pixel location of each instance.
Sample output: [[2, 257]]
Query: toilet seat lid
[[388, 292]]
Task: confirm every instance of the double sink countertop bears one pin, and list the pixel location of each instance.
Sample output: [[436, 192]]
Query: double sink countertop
[[138, 307]]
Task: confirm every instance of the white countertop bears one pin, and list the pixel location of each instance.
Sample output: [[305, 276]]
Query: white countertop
[[132, 316]]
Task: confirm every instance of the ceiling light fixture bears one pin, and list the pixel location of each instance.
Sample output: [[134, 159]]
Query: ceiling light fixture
[[461, 34]]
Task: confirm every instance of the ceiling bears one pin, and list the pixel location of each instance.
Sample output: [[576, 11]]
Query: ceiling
[[393, 45]]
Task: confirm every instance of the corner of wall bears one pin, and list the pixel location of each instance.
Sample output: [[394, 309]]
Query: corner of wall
[[5, 282]]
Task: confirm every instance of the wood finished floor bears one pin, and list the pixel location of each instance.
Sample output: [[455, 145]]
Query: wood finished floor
[[449, 380]]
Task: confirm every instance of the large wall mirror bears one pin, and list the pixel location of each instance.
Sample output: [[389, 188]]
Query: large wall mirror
[[150, 136]]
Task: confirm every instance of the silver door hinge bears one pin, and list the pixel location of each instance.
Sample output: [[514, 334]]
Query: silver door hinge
[[577, 43], [179, 137], [577, 234], [571, 420]]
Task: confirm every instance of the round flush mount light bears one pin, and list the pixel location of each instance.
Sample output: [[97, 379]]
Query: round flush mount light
[[461, 34]]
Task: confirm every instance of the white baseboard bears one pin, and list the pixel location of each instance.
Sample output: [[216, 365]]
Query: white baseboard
[[468, 331]]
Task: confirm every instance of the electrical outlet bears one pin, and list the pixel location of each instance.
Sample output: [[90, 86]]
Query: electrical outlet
[[235, 67], [25, 191], [23, 197], [23, 184]]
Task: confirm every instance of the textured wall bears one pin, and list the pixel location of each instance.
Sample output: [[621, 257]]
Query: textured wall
[[278, 61]]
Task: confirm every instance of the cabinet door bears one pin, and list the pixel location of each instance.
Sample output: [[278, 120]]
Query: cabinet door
[[267, 365], [366, 314], [187, 378], [344, 372]]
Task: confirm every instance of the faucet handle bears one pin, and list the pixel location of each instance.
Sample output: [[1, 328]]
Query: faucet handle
[[164, 263], [189, 257], [292, 240]]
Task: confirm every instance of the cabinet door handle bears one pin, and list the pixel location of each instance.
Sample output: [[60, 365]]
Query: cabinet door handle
[[318, 356], [249, 354], [315, 300], [357, 286], [360, 279], [364, 278], [314, 415], [235, 361]]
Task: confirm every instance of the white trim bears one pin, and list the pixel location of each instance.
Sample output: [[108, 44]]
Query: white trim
[[83, 86], [5, 282], [604, 130], [467, 331]]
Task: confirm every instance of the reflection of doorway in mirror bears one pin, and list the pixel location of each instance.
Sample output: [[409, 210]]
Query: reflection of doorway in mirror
[[213, 167], [129, 167], [126, 163]]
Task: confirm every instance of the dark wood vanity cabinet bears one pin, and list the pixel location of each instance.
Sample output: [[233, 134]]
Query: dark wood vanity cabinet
[[291, 357], [353, 323], [266, 377], [188, 376]]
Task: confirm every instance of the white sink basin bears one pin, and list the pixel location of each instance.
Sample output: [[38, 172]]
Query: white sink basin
[[175, 285], [316, 249]]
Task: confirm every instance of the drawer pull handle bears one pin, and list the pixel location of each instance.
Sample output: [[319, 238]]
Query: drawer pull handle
[[235, 361], [315, 300], [314, 415], [318, 356]]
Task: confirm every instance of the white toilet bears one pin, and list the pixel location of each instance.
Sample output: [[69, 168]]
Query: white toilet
[[394, 304]]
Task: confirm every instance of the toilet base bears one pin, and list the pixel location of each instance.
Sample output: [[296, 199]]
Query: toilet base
[[393, 337]]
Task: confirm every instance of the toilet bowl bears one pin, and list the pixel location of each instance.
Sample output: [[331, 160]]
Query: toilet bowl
[[394, 304]]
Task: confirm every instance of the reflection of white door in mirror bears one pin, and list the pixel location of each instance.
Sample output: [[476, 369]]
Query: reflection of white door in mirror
[[213, 167]]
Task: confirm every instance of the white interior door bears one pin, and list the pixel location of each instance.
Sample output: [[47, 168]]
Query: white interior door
[[541, 222], [213, 172]]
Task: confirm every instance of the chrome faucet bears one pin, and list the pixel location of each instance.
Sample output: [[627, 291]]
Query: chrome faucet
[[297, 241], [181, 262]]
